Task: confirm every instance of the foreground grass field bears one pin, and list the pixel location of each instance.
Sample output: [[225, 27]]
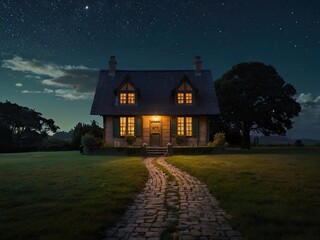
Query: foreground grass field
[[270, 196], [65, 195]]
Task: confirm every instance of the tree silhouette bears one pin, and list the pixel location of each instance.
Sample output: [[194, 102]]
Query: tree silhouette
[[253, 97], [23, 126]]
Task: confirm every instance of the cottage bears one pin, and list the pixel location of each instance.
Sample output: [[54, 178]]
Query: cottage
[[156, 106]]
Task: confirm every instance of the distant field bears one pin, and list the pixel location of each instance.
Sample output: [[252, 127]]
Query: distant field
[[64, 195], [271, 194]]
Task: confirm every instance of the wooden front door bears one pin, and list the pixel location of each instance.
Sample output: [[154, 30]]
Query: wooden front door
[[155, 133]]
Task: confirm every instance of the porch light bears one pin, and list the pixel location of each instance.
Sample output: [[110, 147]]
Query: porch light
[[156, 118]]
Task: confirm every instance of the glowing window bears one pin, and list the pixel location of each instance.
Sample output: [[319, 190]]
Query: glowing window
[[188, 126], [126, 126], [131, 98], [130, 126], [188, 98], [123, 98], [180, 125], [123, 126], [184, 126], [180, 98], [127, 98], [184, 98]]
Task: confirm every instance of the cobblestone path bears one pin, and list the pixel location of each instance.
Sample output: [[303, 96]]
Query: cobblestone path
[[173, 205], [199, 214]]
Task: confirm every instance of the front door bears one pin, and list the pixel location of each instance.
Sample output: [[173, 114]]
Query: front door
[[155, 130]]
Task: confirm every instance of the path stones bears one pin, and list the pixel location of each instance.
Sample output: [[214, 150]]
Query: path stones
[[145, 219], [199, 213], [179, 206]]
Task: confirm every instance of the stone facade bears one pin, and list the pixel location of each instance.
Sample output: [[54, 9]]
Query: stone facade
[[165, 132]]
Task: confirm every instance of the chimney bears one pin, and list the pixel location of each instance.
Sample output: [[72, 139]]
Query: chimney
[[197, 66], [112, 66]]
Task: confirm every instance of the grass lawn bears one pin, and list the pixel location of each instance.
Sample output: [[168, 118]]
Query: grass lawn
[[270, 196], [65, 195]]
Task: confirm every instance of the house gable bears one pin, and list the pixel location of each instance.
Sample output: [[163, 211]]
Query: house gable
[[155, 93], [186, 92], [126, 93]]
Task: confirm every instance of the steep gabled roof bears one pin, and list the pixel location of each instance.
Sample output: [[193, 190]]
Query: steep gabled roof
[[155, 98], [186, 80], [125, 81]]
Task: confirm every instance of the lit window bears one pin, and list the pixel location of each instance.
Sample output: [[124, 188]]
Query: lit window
[[188, 126], [127, 98], [188, 98], [130, 126], [126, 126], [123, 126], [184, 126], [131, 98], [180, 98], [180, 125], [123, 98], [184, 98]]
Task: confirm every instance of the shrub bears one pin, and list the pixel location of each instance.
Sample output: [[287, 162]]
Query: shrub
[[130, 139], [180, 139], [219, 140], [88, 143]]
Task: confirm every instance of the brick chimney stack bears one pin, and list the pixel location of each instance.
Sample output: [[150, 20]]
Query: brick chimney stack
[[198, 66], [112, 66]]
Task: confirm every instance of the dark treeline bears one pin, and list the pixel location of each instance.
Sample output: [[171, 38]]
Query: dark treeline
[[24, 129]]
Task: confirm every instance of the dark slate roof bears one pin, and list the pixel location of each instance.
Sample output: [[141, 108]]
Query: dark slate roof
[[155, 93]]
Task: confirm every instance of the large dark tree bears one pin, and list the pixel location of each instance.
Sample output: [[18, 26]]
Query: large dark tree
[[253, 97], [22, 126]]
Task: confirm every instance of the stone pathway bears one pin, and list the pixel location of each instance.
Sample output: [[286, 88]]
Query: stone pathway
[[174, 205]]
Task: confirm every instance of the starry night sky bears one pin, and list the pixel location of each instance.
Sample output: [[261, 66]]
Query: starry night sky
[[51, 51]]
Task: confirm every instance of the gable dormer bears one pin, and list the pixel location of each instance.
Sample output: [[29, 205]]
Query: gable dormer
[[185, 93], [126, 93]]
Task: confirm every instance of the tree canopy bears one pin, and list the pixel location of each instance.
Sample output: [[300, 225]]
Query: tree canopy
[[82, 129], [21, 126], [253, 97]]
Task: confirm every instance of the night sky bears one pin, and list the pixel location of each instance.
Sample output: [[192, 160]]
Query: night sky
[[51, 50]]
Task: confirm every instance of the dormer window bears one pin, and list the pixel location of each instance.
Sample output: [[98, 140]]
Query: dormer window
[[184, 97], [188, 97], [185, 92], [180, 98], [126, 93], [131, 98], [127, 98]]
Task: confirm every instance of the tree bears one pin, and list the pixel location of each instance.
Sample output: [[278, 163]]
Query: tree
[[82, 129], [253, 97], [23, 126]]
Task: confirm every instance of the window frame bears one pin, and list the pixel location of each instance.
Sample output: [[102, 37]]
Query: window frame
[[185, 94], [183, 100], [127, 126], [184, 126], [127, 95], [127, 98]]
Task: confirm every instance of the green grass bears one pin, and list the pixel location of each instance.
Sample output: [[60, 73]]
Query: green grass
[[65, 195], [270, 196]]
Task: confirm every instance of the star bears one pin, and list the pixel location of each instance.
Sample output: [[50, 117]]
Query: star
[[87, 7]]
